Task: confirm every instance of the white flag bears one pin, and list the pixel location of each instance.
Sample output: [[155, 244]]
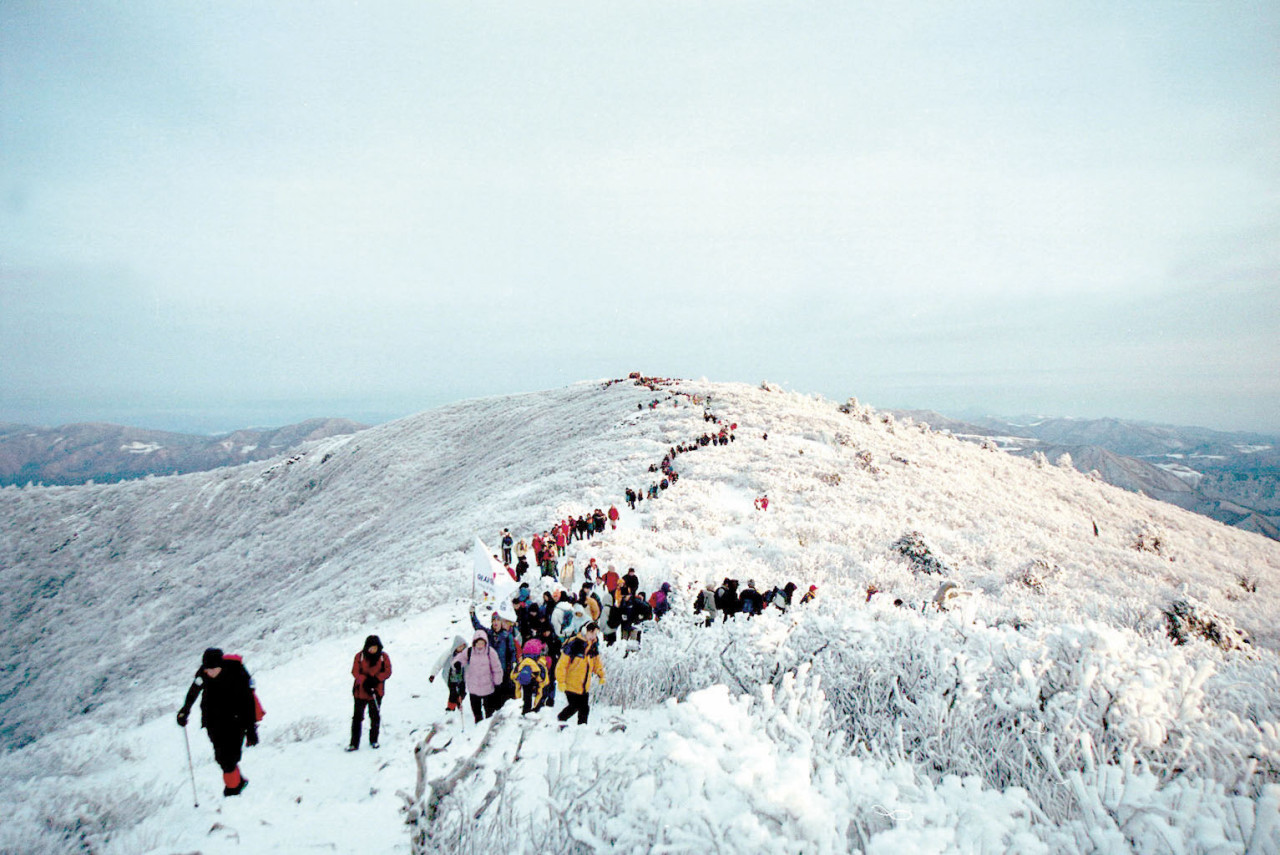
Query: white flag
[[491, 577]]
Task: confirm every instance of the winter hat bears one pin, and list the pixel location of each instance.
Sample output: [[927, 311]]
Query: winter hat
[[533, 647], [212, 658]]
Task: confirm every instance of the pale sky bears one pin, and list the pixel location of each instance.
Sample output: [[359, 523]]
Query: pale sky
[[214, 215]]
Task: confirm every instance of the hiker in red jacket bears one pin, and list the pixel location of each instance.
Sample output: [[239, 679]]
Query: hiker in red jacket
[[613, 517], [371, 668], [228, 713]]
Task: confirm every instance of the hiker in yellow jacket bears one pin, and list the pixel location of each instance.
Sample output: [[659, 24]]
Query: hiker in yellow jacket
[[531, 676], [579, 659]]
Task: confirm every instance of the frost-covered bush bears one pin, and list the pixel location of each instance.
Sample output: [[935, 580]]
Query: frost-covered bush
[[303, 730], [1187, 620], [865, 460], [722, 773], [1035, 573], [1146, 538], [1010, 708], [913, 547]]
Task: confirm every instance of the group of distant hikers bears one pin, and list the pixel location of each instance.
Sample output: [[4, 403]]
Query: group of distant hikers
[[543, 646]]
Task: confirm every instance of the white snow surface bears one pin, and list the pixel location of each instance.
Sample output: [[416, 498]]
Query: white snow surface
[[1046, 711]]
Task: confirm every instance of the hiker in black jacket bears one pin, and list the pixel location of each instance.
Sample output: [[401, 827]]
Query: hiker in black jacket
[[228, 713]]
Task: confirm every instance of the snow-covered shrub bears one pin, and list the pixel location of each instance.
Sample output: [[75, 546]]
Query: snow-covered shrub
[[1035, 573], [1146, 538], [913, 547], [831, 479], [1187, 619], [1039, 460], [722, 773], [1064, 461], [865, 461], [303, 730]]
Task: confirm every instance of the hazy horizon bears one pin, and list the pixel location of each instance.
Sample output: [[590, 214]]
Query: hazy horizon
[[212, 423]]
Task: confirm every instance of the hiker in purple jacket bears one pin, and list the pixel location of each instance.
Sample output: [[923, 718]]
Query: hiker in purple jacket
[[484, 675]]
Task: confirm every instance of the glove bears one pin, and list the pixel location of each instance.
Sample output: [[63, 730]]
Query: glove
[[370, 684], [182, 717], [251, 736]]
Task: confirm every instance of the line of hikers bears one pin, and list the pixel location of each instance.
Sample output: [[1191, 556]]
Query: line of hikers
[[728, 599], [539, 646], [549, 546]]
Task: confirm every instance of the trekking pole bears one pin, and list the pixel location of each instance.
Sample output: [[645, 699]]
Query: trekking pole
[[377, 705], [190, 766]]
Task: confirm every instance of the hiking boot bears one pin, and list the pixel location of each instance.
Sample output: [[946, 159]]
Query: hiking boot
[[237, 789], [353, 747], [373, 744]]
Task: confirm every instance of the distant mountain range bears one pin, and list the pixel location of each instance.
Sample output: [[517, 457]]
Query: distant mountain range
[[79, 453], [1231, 477]]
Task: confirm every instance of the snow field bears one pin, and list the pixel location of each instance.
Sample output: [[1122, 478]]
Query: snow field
[[1047, 717]]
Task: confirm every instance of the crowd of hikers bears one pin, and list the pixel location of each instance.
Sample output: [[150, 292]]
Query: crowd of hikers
[[544, 646]]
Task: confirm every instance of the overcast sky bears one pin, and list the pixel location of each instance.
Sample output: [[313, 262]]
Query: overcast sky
[[221, 214]]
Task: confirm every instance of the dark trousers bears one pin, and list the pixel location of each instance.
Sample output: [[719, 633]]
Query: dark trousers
[[527, 701], [578, 703], [357, 720], [483, 707], [228, 745]]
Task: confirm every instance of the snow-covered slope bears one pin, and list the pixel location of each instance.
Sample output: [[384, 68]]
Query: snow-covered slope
[[1049, 683]]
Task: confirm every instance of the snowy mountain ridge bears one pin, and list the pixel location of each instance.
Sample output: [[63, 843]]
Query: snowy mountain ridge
[[79, 453], [1231, 477], [1005, 722]]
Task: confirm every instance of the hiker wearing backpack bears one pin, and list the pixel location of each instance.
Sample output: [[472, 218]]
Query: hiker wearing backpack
[[502, 641], [660, 601], [551, 649], [751, 602], [579, 660], [706, 604], [634, 611], [484, 675], [588, 598], [531, 677], [630, 582], [371, 668], [229, 713], [507, 543], [452, 669], [613, 517]]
